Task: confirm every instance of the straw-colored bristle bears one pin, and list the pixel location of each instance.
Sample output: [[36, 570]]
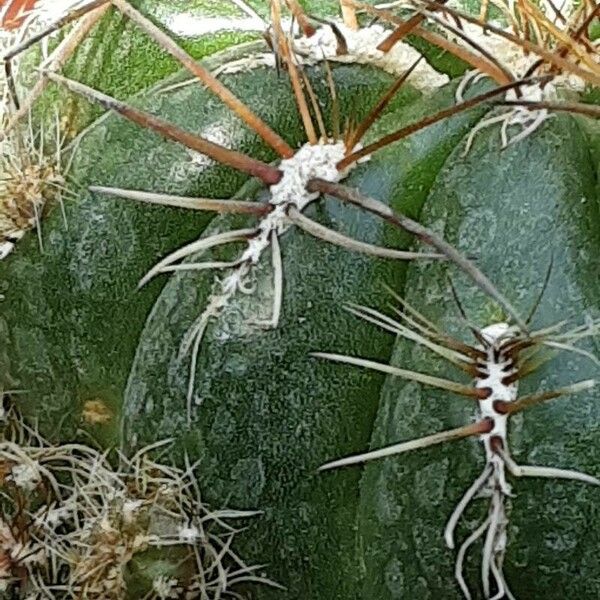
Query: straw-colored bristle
[[99, 518]]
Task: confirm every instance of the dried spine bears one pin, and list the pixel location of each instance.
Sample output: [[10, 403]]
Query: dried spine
[[32, 175]]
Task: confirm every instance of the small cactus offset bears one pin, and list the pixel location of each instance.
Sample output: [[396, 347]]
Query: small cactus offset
[[299, 300]]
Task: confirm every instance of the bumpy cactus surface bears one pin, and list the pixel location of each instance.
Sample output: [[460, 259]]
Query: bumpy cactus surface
[[318, 252]]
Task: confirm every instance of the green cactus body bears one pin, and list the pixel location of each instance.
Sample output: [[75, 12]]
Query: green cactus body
[[93, 356], [120, 59], [261, 434], [72, 317]]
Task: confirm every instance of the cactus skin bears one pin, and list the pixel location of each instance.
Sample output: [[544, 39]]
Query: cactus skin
[[120, 59], [72, 317]]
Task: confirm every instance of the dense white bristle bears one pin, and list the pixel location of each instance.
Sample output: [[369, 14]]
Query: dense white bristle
[[492, 333]]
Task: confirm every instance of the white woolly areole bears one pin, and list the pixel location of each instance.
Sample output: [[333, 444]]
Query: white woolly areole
[[318, 161], [493, 333], [26, 476], [130, 508], [496, 369], [310, 162], [53, 517], [362, 49], [493, 368], [188, 534], [164, 588]]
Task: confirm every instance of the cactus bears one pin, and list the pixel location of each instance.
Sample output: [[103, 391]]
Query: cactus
[[200, 249]]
